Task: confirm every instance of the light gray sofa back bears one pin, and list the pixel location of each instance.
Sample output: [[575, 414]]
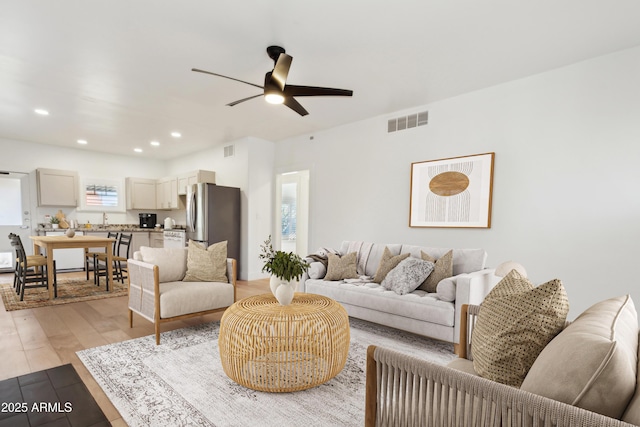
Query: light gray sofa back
[[464, 260]]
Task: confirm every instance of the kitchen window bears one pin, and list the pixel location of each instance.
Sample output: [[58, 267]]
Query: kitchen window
[[100, 194]]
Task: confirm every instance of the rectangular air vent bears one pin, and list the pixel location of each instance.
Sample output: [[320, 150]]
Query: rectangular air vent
[[229, 150], [408, 122]]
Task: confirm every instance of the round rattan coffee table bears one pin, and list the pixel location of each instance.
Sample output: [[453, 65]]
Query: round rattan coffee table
[[271, 347]]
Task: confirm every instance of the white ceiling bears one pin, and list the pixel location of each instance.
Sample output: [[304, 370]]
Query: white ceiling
[[117, 72]]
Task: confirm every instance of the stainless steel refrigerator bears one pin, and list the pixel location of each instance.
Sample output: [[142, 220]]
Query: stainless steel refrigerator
[[213, 215]]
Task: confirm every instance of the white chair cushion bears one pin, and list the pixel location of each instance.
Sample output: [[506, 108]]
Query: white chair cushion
[[171, 262], [178, 298]]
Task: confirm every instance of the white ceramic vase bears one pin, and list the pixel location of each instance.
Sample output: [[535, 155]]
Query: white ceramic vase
[[283, 290], [70, 232]]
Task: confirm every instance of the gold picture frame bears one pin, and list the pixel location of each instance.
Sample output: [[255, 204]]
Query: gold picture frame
[[453, 192]]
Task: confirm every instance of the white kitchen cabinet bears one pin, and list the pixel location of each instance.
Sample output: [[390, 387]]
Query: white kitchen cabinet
[[141, 193], [57, 187], [139, 238], [167, 193], [189, 178]]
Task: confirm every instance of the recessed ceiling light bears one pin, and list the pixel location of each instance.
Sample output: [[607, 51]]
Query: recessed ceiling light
[[154, 143], [41, 112], [82, 141], [138, 150], [176, 134]]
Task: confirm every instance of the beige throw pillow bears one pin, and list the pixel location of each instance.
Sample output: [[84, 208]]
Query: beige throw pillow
[[341, 267], [206, 265], [515, 322], [592, 363], [443, 269], [387, 263]]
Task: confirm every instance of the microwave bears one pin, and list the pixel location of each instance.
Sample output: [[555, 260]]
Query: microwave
[[148, 220]]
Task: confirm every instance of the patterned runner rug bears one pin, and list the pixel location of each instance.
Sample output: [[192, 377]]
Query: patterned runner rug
[[69, 290], [181, 381]]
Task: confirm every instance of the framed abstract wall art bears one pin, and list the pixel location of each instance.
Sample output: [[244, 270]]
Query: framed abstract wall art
[[454, 192]]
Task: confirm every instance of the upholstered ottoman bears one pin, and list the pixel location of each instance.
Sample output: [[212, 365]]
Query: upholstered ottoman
[[270, 347]]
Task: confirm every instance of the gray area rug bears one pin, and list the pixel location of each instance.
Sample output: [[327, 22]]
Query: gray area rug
[[181, 381]]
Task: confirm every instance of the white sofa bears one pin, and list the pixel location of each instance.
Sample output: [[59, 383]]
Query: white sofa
[[430, 314], [157, 292]]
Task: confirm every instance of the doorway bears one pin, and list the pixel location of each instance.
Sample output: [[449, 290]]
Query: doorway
[[15, 215], [292, 212]]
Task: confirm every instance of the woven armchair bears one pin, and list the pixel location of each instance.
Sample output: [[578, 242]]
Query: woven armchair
[[402, 390], [161, 301], [406, 391]]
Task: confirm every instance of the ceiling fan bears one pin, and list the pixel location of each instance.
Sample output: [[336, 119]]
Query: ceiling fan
[[275, 89]]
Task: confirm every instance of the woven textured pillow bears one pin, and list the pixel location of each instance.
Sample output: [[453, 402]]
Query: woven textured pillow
[[342, 267], [516, 321], [206, 265], [387, 263], [443, 268], [407, 275]]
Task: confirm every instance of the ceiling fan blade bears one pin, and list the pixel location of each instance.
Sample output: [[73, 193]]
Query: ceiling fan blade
[[226, 77], [231, 104], [281, 70], [295, 106], [293, 90]]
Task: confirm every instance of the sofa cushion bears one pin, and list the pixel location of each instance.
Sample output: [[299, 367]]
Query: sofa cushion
[[178, 298], [515, 322], [443, 268], [632, 413], [387, 263], [206, 264], [417, 305], [407, 275], [464, 260], [341, 267], [595, 355], [446, 289], [171, 262]]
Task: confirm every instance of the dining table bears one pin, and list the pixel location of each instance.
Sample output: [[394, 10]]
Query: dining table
[[50, 243]]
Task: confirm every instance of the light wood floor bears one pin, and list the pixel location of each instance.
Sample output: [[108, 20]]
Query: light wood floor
[[42, 338]]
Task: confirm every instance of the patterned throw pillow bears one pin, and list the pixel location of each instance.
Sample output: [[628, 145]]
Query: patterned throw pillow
[[407, 275], [206, 265], [516, 321], [443, 269], [387, 263], [341, 267]]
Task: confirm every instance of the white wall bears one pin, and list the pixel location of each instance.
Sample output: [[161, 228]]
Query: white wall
[[567, 146], [250, 169]]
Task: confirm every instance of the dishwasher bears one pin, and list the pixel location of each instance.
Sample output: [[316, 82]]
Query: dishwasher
[[67, 259], [174, 239]]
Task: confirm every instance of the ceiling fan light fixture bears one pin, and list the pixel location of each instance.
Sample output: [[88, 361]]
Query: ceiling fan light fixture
[[274, 98]]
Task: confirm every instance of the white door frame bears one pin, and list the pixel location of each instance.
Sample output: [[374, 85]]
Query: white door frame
[[301, 178], [24, 230]]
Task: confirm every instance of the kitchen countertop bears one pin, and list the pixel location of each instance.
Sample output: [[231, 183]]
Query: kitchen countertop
[[113, 227]]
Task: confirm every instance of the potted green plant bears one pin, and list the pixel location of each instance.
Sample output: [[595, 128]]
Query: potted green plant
[[54, 222], [286, 268]]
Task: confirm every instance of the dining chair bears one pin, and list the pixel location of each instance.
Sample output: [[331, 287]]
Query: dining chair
[[120, 256], [90, 255], [30, 270]]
